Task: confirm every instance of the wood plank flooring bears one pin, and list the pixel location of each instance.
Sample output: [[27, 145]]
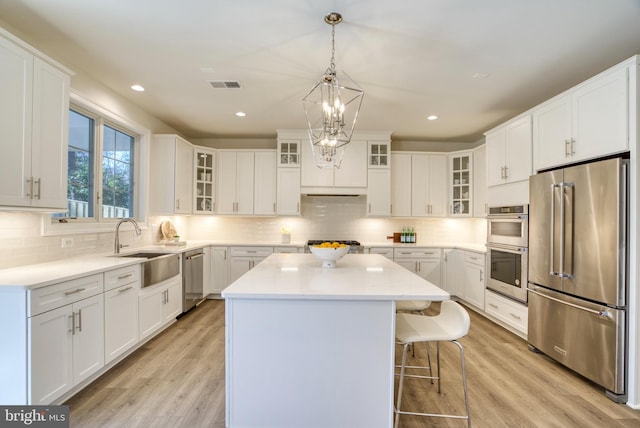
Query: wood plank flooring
[[177, 380]]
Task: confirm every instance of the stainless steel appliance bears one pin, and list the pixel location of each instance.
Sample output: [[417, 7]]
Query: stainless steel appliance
[[192, 279], [507, 251], [354, 246], [578, 270]]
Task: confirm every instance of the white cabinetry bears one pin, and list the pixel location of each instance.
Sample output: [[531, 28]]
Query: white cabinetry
[[264, 188], [171, 172], [385, 251], [243, 259], [508, 312], [452, 277], [379, 179], [588, 121], [423, 261], [159, 305], [219, 269], [204, 179], [461, 184], [66, 336], [235, 184], [474, 279], [34, 111], [351, 177], [120, 310], [480, 181], [288, 180], [418, 184]]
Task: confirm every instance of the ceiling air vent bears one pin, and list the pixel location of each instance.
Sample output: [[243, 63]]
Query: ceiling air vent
[[225, 84]]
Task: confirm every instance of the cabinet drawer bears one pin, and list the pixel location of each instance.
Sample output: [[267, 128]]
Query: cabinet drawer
[[54, 296], [430, 253], [123, 276], [475, 258], [287, 249], [506, 310], [387, 252], [251, 251]]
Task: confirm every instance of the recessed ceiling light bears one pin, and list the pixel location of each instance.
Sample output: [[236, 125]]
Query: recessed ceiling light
[[241, 114], [137, 88], [432, 117]]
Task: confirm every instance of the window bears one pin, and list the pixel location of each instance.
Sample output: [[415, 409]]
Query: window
[[101, 156]]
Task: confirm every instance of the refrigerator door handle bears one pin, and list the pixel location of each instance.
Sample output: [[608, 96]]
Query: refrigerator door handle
[[552, 271], [567, 230], [601, 314]]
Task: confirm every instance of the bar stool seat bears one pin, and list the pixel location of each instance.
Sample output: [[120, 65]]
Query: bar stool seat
[[412, 305], [449, 325]]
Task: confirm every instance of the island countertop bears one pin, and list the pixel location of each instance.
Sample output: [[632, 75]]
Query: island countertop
[[355, 277]]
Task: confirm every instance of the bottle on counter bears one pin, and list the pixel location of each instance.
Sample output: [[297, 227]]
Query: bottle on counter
[[403, 235]]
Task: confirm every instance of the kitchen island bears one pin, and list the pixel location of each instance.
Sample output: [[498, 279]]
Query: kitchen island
[[314, 347]]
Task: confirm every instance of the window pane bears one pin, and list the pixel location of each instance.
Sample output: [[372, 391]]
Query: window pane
[[81, 154], [117, 173]]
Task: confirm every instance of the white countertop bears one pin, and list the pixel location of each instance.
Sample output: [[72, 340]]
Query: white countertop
[[355, 277]]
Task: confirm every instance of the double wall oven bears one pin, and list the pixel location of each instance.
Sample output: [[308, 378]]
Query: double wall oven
[[507, 251]]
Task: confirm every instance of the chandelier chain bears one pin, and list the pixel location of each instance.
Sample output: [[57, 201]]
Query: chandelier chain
[[333, 47]]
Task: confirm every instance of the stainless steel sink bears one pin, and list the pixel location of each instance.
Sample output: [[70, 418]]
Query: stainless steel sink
[[158, 266]]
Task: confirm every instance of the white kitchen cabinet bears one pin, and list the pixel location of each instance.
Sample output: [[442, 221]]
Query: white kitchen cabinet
[[509, 152], [379, 193], [289, 249], [400, 184], [219, 269], [288, 191], [289, 152], [379, 154], [34, 112], [425, 262], [243, 259], [352, 173], [587, 121], [461, 184], [474, 279], [510, 313], [235, 184], [452, 278], [66, 347], [480, 208], [159, 305], [171, 172], [121, 311], [264, 188], [204, 161], [385, 251], [428, 185]]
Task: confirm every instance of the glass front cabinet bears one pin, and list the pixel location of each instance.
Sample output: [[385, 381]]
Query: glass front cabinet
[[204, 200], [289, 153], [461, 186], [379, 156]]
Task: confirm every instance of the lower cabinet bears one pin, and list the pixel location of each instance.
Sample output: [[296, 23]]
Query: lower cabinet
[[423, 261], [385, 251], [474, 279], [158, 305], [219, 269], [120, 311], [452, 278], [243, 259], [66, 347], [513, 314]]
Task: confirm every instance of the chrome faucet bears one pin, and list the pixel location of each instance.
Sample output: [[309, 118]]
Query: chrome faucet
[[117, 244]]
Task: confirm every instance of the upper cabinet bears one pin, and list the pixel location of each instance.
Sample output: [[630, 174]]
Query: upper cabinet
[[34, 111], [509, 152], [588, 121], [461, 184], [204, 179], [379, 154], [264, 187], [288, 178], [235, 184], [379, 179], [480, 208], [418, 184], [289, 152], [171, 172], [352, 173]]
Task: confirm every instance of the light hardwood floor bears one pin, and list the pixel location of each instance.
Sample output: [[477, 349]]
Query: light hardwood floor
[[177, 380]]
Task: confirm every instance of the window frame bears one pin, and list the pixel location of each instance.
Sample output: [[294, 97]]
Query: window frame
[[98, 223]]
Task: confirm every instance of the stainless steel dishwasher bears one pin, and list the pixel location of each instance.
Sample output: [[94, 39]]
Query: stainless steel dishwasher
[[192, 278]]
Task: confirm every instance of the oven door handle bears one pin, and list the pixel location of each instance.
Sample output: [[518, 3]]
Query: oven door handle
[[507, 248]]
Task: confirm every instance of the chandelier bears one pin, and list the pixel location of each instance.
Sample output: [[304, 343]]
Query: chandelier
[[331, 108]]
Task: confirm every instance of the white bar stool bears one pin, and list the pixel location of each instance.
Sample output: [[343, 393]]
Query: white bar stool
[[412, 305], [450, 324]]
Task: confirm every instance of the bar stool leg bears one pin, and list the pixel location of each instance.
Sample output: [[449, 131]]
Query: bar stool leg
[[400, 383]]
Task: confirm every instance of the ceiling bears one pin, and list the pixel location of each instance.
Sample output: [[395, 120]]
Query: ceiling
[[473, 63]]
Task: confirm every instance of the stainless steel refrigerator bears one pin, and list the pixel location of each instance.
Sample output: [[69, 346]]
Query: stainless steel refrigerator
[[578, 270]]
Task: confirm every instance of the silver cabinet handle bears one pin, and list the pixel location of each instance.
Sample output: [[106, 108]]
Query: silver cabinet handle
[[506, 172], [573, 146], [369, 207], [481, 279], [178, 204], [566, 148], [514, 316], [30, 192], [493, 306], [73, 323], [77, 290], [79, 319], [122, 290], [38, 183], [125, 276]]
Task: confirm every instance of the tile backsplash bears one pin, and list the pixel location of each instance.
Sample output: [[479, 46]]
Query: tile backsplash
[[323, 217]]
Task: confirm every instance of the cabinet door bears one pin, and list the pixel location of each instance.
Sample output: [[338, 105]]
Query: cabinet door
[[288, 194], [183, 177], [150, 312], [50, 137], [289, 153], [204, 181], [172, 306], [265, 183], [238, 266], [420, 173], [120, 320], [452, 271], [379, 192], [88, 340], [400, 185], [51, 351], [552, 133], [226, 183], [244, 182], [219, 268], [310, 174], [16, 67], [496, 142], [480, 181], [518, 150], [353, 171], [601, 116], [438, 185], [474, 285], [430, 269], [408, 264]]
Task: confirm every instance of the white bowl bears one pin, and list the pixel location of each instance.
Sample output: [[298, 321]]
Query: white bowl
[[329, 256]]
